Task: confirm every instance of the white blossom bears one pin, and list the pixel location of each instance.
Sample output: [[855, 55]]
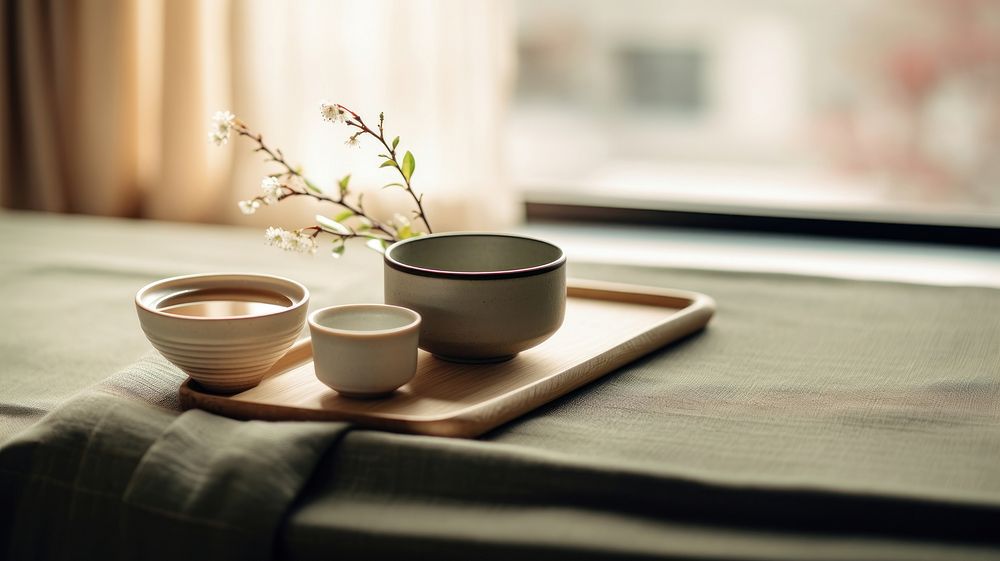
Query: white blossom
[[307, 244], [250, 206], [274, 236], [222, 125], [272, 190], [290, 241], [332, 112], [353, 141], [300, 242]]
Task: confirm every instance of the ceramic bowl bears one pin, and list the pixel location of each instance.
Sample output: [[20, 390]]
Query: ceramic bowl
[[364, 350], [224, 330], [483, 297]]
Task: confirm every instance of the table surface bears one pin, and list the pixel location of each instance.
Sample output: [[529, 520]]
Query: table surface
[[806, 389]]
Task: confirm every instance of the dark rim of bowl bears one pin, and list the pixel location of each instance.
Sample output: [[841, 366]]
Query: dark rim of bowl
[[295, 305], [474, 275]]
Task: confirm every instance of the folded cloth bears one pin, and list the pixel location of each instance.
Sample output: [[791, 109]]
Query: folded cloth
[[105, 477], [114, 478]]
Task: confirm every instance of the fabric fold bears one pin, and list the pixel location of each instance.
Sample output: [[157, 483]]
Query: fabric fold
[[383, 495], [105, 477]]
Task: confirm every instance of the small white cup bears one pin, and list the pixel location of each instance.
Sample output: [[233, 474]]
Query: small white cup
[[364, 350]]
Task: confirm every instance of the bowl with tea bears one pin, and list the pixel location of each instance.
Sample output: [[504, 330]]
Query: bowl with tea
[[225, 330]]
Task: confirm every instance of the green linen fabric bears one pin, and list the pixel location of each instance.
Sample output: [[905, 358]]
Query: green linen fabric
[[814, 419], [111, 478]]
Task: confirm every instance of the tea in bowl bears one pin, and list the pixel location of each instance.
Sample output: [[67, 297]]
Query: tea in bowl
[[224, 330], [482, 297]]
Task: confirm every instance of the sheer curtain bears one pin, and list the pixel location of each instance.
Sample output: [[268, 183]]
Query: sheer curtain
[[440, 70], [104, 105]]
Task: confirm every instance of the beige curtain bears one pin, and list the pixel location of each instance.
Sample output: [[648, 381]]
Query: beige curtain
[[104, 104]]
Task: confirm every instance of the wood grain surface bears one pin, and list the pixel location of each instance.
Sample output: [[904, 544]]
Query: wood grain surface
[[607, 326]]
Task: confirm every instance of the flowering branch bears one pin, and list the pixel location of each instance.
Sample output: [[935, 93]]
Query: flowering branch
[[275, 190], [352, 221], [335, 112]]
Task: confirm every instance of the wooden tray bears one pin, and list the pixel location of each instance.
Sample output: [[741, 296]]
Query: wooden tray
[[607, 326]]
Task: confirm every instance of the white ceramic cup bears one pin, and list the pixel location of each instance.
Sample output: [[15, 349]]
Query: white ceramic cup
[[364, 350]]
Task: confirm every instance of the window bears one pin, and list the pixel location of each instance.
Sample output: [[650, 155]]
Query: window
[[856, 109]]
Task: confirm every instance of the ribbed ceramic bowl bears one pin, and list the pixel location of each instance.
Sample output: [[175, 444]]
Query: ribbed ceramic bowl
[[483, 297], [224, 330]]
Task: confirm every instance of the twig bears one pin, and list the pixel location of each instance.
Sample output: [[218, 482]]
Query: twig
[[275, 155], [358, 122]]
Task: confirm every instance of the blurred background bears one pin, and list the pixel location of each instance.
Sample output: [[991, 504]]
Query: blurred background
[[884, 110]]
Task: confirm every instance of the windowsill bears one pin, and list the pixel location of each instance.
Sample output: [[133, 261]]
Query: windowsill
[[844, 210], [725, 250]]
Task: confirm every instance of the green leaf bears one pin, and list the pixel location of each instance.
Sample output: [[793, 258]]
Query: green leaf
[[364, 224], [404, 232], [343, 184], [387, 185], [388, 163], [312, 187], [338, 250], [395, 143], [377, 245], [333, 226], [343, 216], [409, 164]]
